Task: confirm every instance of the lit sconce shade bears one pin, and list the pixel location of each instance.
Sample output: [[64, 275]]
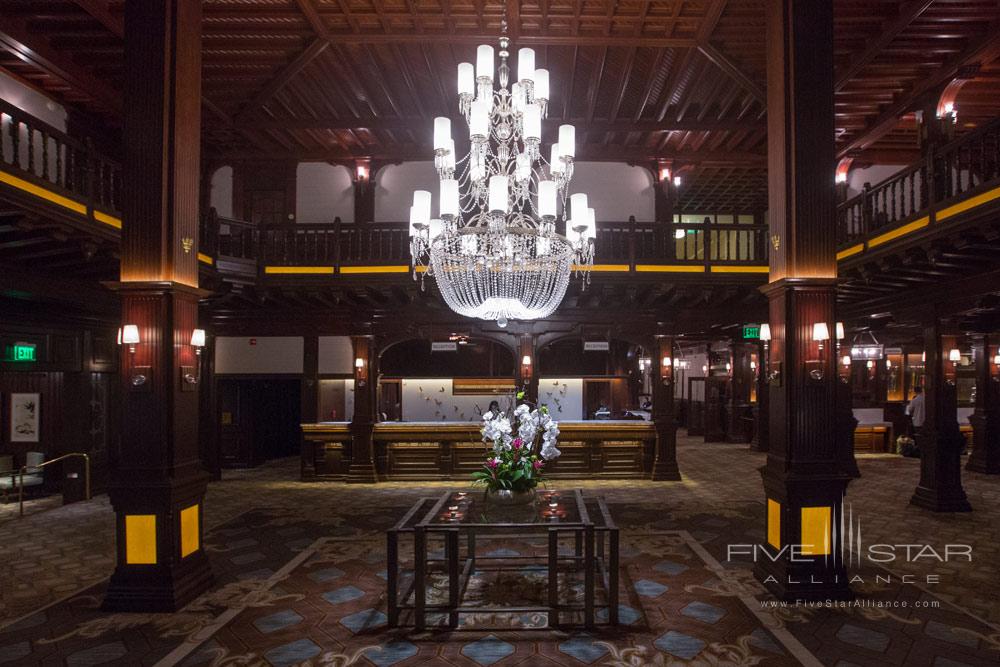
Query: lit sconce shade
[[729, 366], [198, 338], [665, 174], [845, 360], [359, 363], [484, 62], [954, 354], [556, 164], [479, 119], [840, 177], [821, 332], [442, 133], [840, 331], [753, 365], [532, 121], [765, 332], [567, 141], [449, 197], [541, 84], [119, 335], [421, 213], [888, 363], [667, 363], [679, 234], [677, 181], [525, 64], [466, 79], [522, 167], [526, 360], [362, 172], [498, 194], [996, 360], [578, 208], [449, 156], [870, 364], [435, 228], [130, 334], [547, 198]]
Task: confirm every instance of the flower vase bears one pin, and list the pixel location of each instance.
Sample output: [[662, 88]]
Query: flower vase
[[510, 497]]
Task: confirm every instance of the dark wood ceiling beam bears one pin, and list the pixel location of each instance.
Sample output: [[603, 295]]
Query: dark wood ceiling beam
[[37, 50], [316, 47], [985, 48], [585, 152], [723, 62], [523, 40], [424, 124], [907, 14], [315, 20]]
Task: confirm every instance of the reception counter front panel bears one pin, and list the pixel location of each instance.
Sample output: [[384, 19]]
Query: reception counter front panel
[[451, 450]]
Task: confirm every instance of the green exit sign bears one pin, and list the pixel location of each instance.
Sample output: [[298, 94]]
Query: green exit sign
[[751, 331], [21, 352]]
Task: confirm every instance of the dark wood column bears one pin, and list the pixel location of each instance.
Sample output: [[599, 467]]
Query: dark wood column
[[310, 380], [362, 470], [761, 409], [740, 386], [527, 377], [985, 420], [364, 192], [208, 415], [940, 441], [158, 483], [665, 457], [803, 483]]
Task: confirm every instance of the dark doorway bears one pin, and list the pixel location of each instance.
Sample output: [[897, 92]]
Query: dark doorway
[[258, 420]]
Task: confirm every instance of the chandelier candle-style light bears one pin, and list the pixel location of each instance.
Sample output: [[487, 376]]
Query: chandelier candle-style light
[[494, 249]]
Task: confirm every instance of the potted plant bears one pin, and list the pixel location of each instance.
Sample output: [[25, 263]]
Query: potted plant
[[519, 445]]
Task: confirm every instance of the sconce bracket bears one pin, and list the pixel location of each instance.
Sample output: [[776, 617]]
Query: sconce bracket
[[140, 378], [189, 377]]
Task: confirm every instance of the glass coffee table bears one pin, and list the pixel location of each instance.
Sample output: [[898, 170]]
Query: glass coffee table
[[555, 516]]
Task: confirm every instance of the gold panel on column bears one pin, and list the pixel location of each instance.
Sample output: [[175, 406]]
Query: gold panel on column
[[774, 523], [190, 537], [140, 539], [815, 531]]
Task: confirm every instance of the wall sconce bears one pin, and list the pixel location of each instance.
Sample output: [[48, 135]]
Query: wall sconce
[[820, 334], [526, 367], [677, 181], [198, 340], [954, 355], [765, 333], [130, 336], [846, 361], [360, 372], [665, 174]]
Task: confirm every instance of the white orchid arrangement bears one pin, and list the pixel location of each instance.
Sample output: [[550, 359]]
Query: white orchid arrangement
[[520, 445]]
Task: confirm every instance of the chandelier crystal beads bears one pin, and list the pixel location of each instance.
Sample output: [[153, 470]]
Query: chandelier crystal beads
[[494, 248]]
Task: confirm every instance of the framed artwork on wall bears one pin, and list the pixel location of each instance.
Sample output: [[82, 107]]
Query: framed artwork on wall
[[25, 421]]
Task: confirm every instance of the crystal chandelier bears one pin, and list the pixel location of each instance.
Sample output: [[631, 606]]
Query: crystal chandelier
[[494, 249]]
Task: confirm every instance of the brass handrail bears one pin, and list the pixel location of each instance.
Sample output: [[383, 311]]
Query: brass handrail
[[24, 469]]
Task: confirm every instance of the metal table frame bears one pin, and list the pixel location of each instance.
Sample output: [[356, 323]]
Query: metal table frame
[[596, 550]]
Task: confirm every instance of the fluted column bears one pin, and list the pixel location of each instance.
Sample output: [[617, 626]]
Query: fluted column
[[664, 421], [985, 420], [158, 481], [362, 468]]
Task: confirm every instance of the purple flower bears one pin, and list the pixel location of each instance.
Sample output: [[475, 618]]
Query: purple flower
[[492, 463], [538, 464], [517, 443]]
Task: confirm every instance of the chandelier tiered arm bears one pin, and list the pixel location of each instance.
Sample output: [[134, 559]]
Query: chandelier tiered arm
[[494, 250]]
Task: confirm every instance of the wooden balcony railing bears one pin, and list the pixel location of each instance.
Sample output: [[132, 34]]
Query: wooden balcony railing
[[42, 155], [954, 171], [626, 243]]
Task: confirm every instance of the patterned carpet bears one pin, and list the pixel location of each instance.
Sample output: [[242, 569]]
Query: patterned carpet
[[292, 590]]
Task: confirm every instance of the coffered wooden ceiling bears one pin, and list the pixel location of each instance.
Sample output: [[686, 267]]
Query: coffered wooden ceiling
[[680, 80]]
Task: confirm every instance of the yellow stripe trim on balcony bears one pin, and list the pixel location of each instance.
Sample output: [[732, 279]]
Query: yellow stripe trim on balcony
[[739, 269], [299, 269], [669, 268], [919, 223], [850, 252], [375, 269], [202, 257], [602, 268], [44, 193], [971, 202], [108, 219]]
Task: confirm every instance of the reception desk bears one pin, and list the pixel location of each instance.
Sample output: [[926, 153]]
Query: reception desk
[[453, 450]]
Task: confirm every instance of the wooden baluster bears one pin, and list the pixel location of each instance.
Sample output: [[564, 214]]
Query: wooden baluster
[[45, 156], [15, 137], [60, 176], [31, 149]]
